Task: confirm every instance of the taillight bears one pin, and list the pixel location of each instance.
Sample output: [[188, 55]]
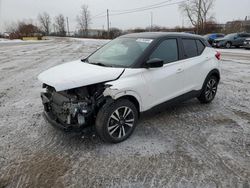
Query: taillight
[[218, 55]]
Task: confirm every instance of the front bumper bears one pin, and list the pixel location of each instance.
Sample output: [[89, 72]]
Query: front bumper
[[55, 120]]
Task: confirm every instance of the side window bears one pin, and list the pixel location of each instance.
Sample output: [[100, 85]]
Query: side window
[[241, 35], [190, 48], [167, 51], [200, 47], [244, 35]]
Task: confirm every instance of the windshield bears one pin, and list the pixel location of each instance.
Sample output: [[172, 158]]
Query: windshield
[[121, 52], [230, 36]]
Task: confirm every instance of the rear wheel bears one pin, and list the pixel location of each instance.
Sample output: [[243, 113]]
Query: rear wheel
[[228, 45], [116, 122], [209, 91]]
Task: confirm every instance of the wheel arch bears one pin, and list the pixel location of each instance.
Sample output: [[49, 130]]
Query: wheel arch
[[129, 95], [132, 99], [214, 72]]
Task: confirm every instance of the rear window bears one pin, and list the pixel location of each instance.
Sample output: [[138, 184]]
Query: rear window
[[190, 48]]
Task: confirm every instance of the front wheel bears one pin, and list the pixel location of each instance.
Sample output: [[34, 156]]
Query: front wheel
[[116, 122], [209, 91]]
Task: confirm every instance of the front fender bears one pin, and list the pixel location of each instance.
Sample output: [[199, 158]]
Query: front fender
[[116, 94]]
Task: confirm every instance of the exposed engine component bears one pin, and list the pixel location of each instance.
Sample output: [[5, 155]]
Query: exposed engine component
[[75, 106]]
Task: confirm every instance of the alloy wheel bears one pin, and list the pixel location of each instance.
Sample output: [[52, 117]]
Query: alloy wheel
[[121, 122], [211, 89]]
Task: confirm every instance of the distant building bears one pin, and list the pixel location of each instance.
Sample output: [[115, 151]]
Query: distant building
[[238, 26], [246, 25]]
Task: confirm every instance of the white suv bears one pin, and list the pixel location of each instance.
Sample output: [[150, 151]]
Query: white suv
[[128, 76]]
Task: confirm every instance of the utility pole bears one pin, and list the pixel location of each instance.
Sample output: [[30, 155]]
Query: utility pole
[[199, 17], [151, 14], [1, 29], [108, 21], [68, 26]]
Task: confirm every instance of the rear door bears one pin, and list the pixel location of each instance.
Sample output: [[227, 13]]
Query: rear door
[[196, 63]]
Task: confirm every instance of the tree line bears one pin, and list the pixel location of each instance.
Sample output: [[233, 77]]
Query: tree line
[[46, 25]]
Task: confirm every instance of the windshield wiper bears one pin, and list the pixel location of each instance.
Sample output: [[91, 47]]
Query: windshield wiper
[[98, 63], [101, 64], [85, 60]]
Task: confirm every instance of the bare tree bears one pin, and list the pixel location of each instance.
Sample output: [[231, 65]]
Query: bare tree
[[11, 27], [60, 25], [20, 29], [84, 20], [198, 13], [45, 22]]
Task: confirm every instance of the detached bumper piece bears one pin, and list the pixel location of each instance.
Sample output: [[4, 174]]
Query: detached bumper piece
[[63, 112], [53, 121]]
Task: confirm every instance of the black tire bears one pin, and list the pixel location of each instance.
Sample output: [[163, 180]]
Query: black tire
[[228, 45], [209, 90], [112, 128]]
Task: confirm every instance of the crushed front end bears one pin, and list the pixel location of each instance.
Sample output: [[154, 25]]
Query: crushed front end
[[75, 108]]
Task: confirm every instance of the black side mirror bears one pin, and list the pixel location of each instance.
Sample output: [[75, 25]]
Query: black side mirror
[[154, 63]]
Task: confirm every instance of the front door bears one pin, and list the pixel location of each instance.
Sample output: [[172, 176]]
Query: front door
[[166, 82]]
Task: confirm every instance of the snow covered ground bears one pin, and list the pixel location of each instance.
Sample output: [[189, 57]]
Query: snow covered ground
[[189, 145], [10, 41], [237, 55]]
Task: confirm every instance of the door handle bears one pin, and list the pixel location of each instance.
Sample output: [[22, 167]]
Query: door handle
[[179, 70]]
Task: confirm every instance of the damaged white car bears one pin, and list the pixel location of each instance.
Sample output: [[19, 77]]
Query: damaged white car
[[128, 76]]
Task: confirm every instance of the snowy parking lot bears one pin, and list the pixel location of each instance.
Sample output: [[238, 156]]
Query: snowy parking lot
[[188, 145]]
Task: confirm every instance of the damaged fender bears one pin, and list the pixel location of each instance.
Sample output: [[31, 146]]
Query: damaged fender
[[115, 94]]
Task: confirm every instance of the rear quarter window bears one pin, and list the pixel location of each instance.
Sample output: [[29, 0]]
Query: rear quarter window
[[200, 47]]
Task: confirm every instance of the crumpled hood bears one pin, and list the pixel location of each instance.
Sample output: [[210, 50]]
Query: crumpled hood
[[78, 74]]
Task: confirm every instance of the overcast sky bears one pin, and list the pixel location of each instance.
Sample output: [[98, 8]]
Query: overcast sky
[[14, 10]]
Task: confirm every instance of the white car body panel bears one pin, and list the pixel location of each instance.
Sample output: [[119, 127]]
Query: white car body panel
[[130, 83], [164, 83], [197, 68], [78, 74]]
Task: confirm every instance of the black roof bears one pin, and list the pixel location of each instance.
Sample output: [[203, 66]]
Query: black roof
[[155, 35]]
